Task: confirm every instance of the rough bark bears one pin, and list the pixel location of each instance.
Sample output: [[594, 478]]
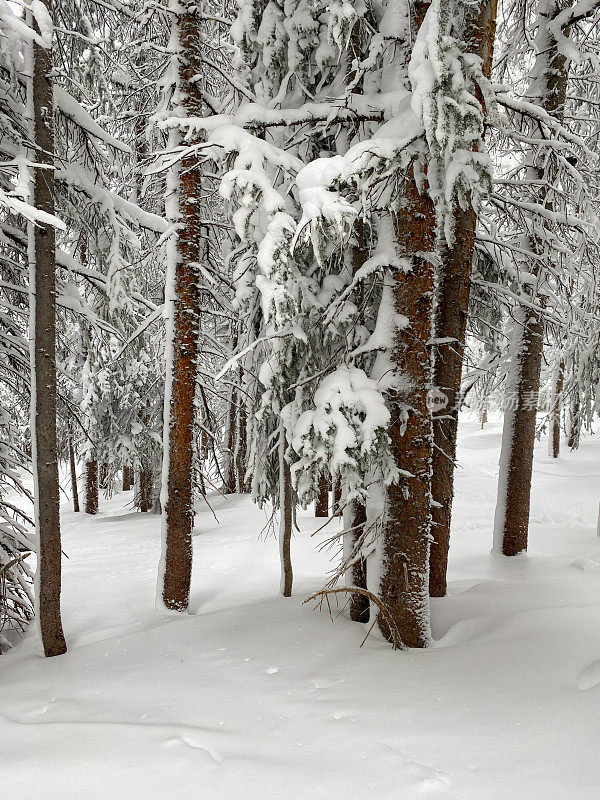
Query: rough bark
[[91, 486], [178, 512], [73, 468], [554, 423], [452, 305], [511, 520], [574, 421], [322, 500], [518, 434], [43, 358]]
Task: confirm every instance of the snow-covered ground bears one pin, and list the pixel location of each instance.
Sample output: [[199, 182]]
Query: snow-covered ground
[[254, 696]]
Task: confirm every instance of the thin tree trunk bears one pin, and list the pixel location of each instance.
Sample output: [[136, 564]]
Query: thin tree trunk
[[322, 501], [42, 256], [241, 447], [127, 477], [104, 475], [146, 492], [574, 422], [359, 603], [185, 251], [452, 305], [511, 520], [229, 466], [286, 520], [337, 494], [554, 433], [73, 467], [91, 486]]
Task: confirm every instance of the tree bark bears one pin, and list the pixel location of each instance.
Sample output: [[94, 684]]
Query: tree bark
[[178, 467], [91, 486], [322, 501], [337, 494], [359, 603], [73, 468], [127, 477], [103, 475], [452, 306], [574, 421], [146, 490], [42, 256], [511, 520], [554, 425], [229, 466], [286, 520]]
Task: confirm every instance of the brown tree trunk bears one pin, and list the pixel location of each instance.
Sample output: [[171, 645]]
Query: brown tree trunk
[[43, 359], [286, 515], [186, 251], [511, 521], [73, 467], [554, 433], [483, 417], [359, 603], [91, 486], [573, 440], [518, 436], [322, 500], [452, 305], [127, 477]]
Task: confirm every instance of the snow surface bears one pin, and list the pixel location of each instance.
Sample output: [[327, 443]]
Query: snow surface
[[257, 696]]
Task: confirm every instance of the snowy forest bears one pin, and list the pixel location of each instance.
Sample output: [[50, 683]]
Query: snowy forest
[[299, 386]]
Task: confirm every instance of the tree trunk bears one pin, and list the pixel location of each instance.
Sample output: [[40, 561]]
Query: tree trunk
[[146, 491], [322, 501], [404, 588], [554, 423], [286, 519], [73, 467], [337, 495], [241, 447], [229, 465], [91, 486], [42, 258], [574, 422], [452, 306], [511, 520], [183, 309], [359, 603], [127, 481], [104, 475]]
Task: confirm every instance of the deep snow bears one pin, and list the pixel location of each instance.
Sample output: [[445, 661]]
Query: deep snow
[[255, 696]]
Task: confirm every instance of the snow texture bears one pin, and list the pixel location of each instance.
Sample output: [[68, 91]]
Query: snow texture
[[256, 696]]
